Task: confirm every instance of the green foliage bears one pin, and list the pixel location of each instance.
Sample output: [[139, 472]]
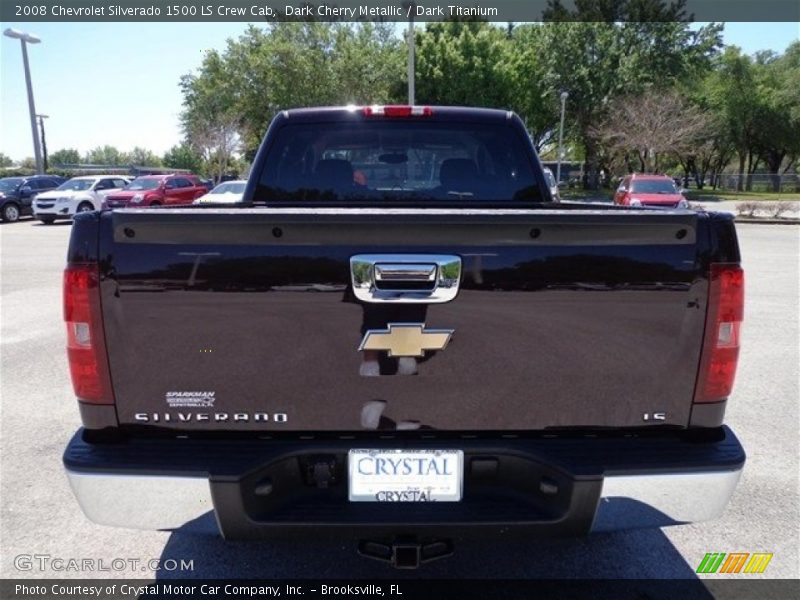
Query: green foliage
[[66, 156], [757, 103], [598, 51], [530, 94], [5, 161], [777, 132], [18, 171], [462, 63], [367, 63], [230, 101], [209, 118], [31, 170], [730, 92], [183, 157], [106, 155], [596, 62], [141, 157], [611, 11]]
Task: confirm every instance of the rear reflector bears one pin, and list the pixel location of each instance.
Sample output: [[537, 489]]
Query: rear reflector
[[398, 110], [721, 343], [86, 348]]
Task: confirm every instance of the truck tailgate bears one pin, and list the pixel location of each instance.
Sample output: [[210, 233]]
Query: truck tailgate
[[246, 319]]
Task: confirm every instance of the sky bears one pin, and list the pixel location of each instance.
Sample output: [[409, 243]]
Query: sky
[[117, 83]]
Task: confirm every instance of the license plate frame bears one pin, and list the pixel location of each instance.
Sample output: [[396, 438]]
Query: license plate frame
[[439, 476]]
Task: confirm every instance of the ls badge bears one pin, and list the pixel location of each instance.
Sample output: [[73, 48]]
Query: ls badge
[[406, 339]]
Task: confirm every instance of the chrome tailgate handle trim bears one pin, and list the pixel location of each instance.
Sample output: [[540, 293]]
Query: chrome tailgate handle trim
[[405, 272], [374, 275]]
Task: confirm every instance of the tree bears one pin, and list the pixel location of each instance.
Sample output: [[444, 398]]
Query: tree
[[183, 157], [596, 62], [210, 122], [755, 100], [480, 64], [366, 63], [530, 95], [66, 156], [777, 135], [28, 163], [461, 63], [5, 161], [732, 94], [610, 11], [706, 159], [651, 126], [106, 155], [143, 158], [287, 65]]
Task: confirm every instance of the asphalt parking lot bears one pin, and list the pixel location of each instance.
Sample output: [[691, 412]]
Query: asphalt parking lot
[[38, 415]]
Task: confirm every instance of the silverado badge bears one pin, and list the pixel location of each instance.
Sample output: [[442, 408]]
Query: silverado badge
[[406, 339]]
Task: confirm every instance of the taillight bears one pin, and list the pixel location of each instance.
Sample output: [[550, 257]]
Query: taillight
[[86, 348], [721, 343], [398, 110]]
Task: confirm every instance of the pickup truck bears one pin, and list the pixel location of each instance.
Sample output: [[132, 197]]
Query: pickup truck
[[398, 336]]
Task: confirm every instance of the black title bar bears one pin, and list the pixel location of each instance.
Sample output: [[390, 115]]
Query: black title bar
[[395, 588], [390, 10]]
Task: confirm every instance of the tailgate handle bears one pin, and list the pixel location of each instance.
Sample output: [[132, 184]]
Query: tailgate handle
[[422, 273], [405, 278]]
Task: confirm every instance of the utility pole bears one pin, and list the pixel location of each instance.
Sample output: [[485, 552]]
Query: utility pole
[[410, 38], [564, 96], [44, 142], [24, 40]]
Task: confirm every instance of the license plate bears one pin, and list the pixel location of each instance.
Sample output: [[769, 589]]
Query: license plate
[[405, 475]]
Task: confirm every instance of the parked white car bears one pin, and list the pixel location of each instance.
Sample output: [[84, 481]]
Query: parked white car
[[228, 192], [79, 194]]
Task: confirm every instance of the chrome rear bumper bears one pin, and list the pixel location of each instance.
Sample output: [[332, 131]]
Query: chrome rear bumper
[[260, 488], [141, 501], [658, 500], [627, 502]]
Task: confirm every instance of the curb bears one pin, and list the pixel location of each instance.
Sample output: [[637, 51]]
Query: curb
[[767, 221]]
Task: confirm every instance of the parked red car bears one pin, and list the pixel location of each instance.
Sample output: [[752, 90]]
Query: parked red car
[[155, 190], [649, 190]]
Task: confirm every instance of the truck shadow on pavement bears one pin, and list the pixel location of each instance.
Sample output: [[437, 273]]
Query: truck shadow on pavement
[[637, 554]]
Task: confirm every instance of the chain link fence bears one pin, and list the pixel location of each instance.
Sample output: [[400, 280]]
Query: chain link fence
[[786, 183]]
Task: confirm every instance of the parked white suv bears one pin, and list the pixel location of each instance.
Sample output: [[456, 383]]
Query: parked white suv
[[79, 194]]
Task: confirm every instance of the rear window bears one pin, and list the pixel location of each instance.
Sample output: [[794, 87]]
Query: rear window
[[231, 187], [385, 160], [76, 185], [144, 183], [654, 186]]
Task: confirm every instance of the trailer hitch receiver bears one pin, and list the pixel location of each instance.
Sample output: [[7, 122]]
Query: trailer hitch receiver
[[406, 553]]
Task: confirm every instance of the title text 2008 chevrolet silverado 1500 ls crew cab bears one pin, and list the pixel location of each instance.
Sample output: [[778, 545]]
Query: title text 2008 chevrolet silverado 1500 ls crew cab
[[401, 337]]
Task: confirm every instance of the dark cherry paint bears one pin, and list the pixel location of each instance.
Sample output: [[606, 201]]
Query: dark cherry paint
[[269, 324]]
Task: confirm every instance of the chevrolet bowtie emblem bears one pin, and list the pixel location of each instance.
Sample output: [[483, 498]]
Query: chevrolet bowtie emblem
[[406, 339]]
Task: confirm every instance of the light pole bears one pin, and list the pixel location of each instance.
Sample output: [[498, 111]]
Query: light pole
[[564, 96], [410, 37], [24, 40], [44, 143]]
